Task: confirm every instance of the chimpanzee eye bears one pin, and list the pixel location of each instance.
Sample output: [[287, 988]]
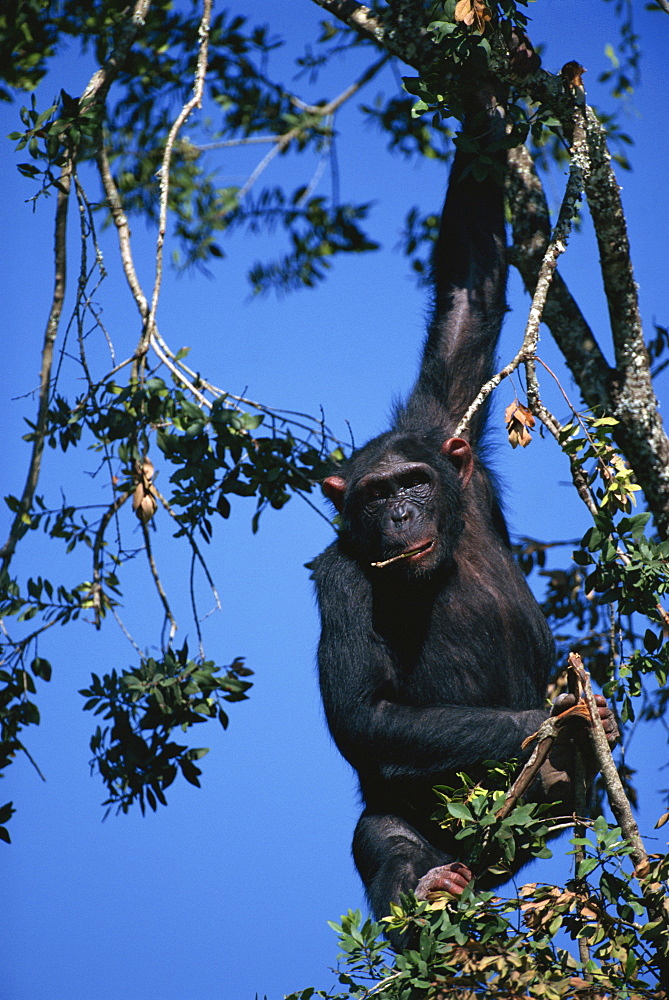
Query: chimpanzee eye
[[412, 479]]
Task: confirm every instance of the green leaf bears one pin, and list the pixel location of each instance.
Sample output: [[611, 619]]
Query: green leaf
[[586, 866], [41, 668], [460, 811]]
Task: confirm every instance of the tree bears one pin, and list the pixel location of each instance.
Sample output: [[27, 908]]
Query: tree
[[133, 412]]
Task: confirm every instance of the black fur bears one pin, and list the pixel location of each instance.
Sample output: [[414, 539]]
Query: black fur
[[436, 661]]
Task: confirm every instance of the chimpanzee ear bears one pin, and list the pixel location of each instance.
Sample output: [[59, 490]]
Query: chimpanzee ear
[[460, 453], [334, 488]]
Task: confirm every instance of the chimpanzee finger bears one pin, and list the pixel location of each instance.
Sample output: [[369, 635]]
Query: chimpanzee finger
[[562, 703], [608, 719], [453, 878]]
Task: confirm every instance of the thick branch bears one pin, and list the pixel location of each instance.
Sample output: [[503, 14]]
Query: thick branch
[[358, 17], [627, 395], [400, 29], [608, 217], [640, 433]]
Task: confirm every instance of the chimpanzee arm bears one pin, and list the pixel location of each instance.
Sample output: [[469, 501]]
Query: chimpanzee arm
[[469, 274], [373, 729]]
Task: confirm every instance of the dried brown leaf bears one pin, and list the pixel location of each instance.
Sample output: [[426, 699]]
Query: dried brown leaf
[[519, 423], [473, 12]]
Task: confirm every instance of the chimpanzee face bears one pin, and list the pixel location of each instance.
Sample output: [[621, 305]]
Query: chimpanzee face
[[402, 516]]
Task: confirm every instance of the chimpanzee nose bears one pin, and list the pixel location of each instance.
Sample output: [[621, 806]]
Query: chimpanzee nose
[[400, 513]]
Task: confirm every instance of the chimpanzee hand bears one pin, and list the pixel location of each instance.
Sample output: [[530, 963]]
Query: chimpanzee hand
[[565, 701], [453, 878], [558, 771]]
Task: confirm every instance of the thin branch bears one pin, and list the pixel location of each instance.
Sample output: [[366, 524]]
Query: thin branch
[[32, 760], [356, 16], [195, 547], [164, 174], [99, 84], [193, 604], [248, 140], [530, 221], [321, 111], [18, 527], [580, 786], [97, 554], [120, 220], [556, 246], [94, 93], [125, 631], [282, 142], [578, 474], [326, 110], [177, 372], [157, 581]]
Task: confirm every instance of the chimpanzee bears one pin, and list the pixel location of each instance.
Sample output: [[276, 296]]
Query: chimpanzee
[[434, 655]]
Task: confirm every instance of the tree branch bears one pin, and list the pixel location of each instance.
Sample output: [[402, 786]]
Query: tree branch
[[356, 16], [120, 220], [321, 111], [653, 893], [164, 174], [158, 582], [626, 394], [94, 93], [557, 246], [530, 223], [641, 434], [19, 524]]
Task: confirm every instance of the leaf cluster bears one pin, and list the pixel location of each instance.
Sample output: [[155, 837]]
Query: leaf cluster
[[135, 755], [469, 812], [483, 945], [211, 453]]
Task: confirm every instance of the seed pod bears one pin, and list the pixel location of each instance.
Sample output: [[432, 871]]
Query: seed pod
[[144, 501]]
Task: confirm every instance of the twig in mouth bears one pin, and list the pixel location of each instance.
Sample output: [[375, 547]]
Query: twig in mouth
[[402, 555]]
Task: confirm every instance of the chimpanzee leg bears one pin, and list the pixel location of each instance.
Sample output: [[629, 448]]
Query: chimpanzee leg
[[392, 857]]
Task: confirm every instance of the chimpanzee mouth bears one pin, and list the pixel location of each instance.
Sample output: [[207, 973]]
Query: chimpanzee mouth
[[417, 552]]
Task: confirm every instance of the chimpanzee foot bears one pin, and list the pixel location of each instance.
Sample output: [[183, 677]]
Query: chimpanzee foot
[[453, 878]]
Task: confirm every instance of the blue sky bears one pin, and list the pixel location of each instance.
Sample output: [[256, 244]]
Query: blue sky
[[226, 893]]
